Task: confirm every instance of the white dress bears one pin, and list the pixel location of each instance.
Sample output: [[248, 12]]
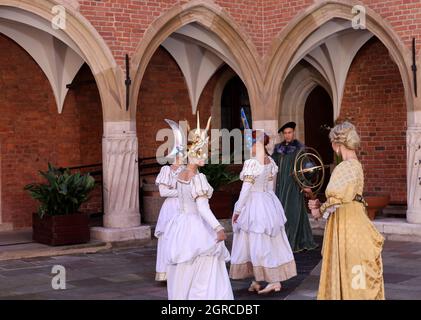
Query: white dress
[[260, 247], [167, 182], [196, 261]]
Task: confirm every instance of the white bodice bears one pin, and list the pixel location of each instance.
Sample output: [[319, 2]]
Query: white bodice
[[189, 191], [185, 199], [259, 209], [262, 175], [264, 181]]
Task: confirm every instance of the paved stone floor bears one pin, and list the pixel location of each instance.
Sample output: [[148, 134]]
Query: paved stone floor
[[115, 274], [401, 271], [129, 274]]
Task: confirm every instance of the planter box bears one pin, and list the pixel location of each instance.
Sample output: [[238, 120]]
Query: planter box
[[61, 230], [222, 204], [151, 203], [376, 203]]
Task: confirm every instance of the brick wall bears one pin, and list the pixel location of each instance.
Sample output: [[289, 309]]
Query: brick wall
[[122, 23], [32, 133], [374, 101], [403, 16]]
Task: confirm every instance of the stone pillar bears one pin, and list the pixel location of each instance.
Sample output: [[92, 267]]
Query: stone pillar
[[121, 185], [413, 145]]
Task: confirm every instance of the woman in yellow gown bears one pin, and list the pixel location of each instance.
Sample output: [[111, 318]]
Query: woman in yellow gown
[[352, 263]]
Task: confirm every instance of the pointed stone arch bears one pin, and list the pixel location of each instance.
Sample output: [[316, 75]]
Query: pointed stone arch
[[214, 19], [89, 43], [289, 40]]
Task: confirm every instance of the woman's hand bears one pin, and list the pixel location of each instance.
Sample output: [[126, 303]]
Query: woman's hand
[[314, 204], [235, 217], [221, 236], [316, 213]]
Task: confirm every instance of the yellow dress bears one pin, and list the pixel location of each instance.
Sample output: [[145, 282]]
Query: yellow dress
[[352, 264]]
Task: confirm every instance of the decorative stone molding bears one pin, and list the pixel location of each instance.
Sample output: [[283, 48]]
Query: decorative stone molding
[[73, 3], [121, 176], [414, 174], [214, 19], [288, 42], [121, 185]]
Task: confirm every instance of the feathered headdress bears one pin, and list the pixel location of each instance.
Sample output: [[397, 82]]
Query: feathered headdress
[[199, 146], [247, 130], [179, 140]]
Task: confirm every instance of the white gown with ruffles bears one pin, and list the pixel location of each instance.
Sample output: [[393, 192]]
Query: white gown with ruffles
[[167, 182], [196, 261], [260, 246]]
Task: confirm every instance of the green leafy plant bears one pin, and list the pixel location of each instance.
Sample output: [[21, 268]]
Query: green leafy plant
[[63, 193], [218, 175]]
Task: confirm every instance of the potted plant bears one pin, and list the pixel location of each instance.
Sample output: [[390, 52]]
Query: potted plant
[[58, 220], [375, 203], [222, 201]]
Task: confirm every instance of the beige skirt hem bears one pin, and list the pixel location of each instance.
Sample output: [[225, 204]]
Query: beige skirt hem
[[277, 274]]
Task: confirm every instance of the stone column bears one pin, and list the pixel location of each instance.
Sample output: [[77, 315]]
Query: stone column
[[121, 185], [413, 147]]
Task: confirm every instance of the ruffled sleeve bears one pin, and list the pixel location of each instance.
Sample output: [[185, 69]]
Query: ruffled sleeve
[[165, 177], [202, 192], [342, 187], [251, 169], [201, 187]]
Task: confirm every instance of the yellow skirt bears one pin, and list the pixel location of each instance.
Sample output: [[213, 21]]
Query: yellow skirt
[[352, 266]]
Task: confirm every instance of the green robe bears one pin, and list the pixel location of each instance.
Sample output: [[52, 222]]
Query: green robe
[[289, 193]]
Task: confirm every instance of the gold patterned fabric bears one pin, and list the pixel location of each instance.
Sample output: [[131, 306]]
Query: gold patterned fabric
[[352, 266]]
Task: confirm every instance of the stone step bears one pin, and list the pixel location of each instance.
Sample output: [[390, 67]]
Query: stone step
[[394, 229], [394, 210]]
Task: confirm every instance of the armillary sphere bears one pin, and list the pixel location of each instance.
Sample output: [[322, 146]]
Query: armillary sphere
[[309, 170]]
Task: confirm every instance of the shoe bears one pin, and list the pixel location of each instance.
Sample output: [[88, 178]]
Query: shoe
[[275, 286], [255, 286]]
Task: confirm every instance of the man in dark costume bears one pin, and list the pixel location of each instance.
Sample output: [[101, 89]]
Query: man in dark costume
[[289, 193]]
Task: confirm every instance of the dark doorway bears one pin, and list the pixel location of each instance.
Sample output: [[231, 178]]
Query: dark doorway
[[318, 114], [234, 97]]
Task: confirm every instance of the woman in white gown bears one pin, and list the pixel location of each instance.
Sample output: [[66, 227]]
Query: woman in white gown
[[167, 183], [196, 253], [260, 247]]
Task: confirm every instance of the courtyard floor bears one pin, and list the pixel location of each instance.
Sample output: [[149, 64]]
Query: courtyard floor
[[128, 273]]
